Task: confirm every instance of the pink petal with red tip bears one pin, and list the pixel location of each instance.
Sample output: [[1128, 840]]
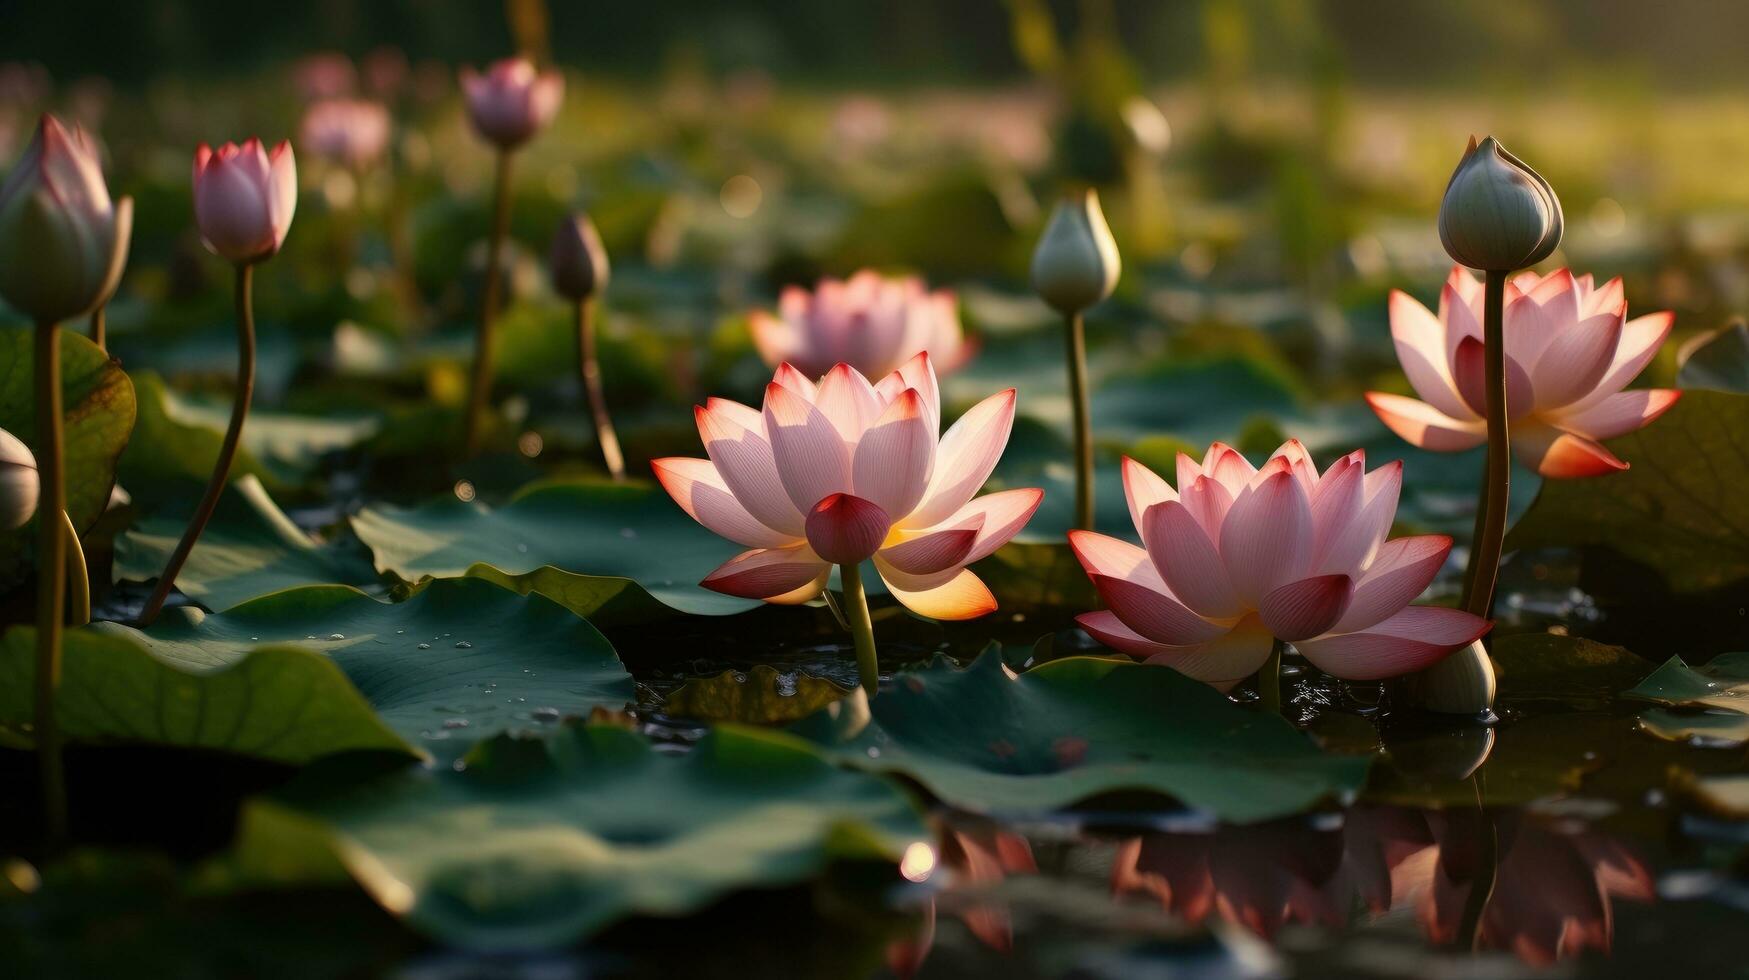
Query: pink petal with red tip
[[896, 456], [744, 460], [1143, 488], [1420, 341], [1540, 317], [812, 459], [1266, 540], [1620, 413], [1299, 463], [1469, 372], [1399, 574], [930, 552], [1003, 515], [1102, 555], [1413, 639], [1207, 500], [1105, 627], [847, 399], [1188, 561], [1155, 615], [793, 378], [1640, 339], [767, 573], [700, 491], [1562, 455], [1424, 426], [1228, 467], [966, 455], [1576, 361], [1307, 607], [844, 529]]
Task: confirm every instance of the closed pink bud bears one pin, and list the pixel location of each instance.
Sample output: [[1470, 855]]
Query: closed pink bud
[[62, 241], [244, 197], [511, 101]]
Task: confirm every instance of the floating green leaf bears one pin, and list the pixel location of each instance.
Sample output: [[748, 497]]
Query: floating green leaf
[[279, 703], [538, 843], [763, 695], [1718, 360], [250, 549], [984, 739], [98, 402], [459, 661], [1680, 509], [1712, 701], [615, 553]]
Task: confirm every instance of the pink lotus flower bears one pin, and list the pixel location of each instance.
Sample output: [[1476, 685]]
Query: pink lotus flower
[[350, 132], [1240, 557], [512, 101], [872, 323], [63, 242], [841, 471], [244, 198], [1569, 353]]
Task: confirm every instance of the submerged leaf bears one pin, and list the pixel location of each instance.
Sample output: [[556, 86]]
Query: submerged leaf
[[984, 739], [1713, 701], [537, 844], [763, 695], [616, 553]]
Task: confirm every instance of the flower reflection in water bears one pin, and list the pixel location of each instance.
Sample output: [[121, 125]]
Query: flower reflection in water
[[1546, 895], [975, 860]]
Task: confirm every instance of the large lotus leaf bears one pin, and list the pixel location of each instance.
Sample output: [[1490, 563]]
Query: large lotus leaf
[[97, 400], [615, 553], [460, 660], [538, 843], [1718, 360], [279, 703], [251, 548], [1680, 509], [1711, 702], [179, 437], [984, 739]]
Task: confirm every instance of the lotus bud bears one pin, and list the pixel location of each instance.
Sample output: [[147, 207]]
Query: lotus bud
[[244, 198], [1498, 214], [577, 259], [1460, 684], [512, 101], [19, 482], [62, 241], [1075, 264]]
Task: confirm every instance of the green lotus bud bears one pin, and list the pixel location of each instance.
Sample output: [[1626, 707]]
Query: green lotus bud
[[62, 242], [1498, 214], [1075, 264], [1460, 684], [19, 482], [578, 260]]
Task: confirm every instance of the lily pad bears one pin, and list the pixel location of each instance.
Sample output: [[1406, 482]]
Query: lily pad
[[1712, 701], [615, 553], [98, 405], [179, 437], [537, 844], [986, 740], [1680, 509], [251, 548], [763, 695], [1717, 360], [460, 660], [279, 703]]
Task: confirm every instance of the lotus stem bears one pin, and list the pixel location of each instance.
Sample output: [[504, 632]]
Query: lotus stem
[[861, 629], [1490, 533], [480, 391], [227, 450], [78, 576], [1269, 681], [100, 327], [1077, 356], [590, 369], [51, 579], [1469, 934]]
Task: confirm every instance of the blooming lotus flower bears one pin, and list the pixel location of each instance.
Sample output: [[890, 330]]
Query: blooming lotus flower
[[19, 482], [843, 470], [350, 132], [1239, 557], [870, 322], [1569, 353], [511, 101], [244, 198], [62, 242]]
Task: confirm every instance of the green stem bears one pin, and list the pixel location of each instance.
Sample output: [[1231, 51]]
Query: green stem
[[51, 579], [861, 629], [480, 391], [78, 576], [1269, 681], [1490, 533], [1077, 356], [590, 369], [100, 327], [215, 486]]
